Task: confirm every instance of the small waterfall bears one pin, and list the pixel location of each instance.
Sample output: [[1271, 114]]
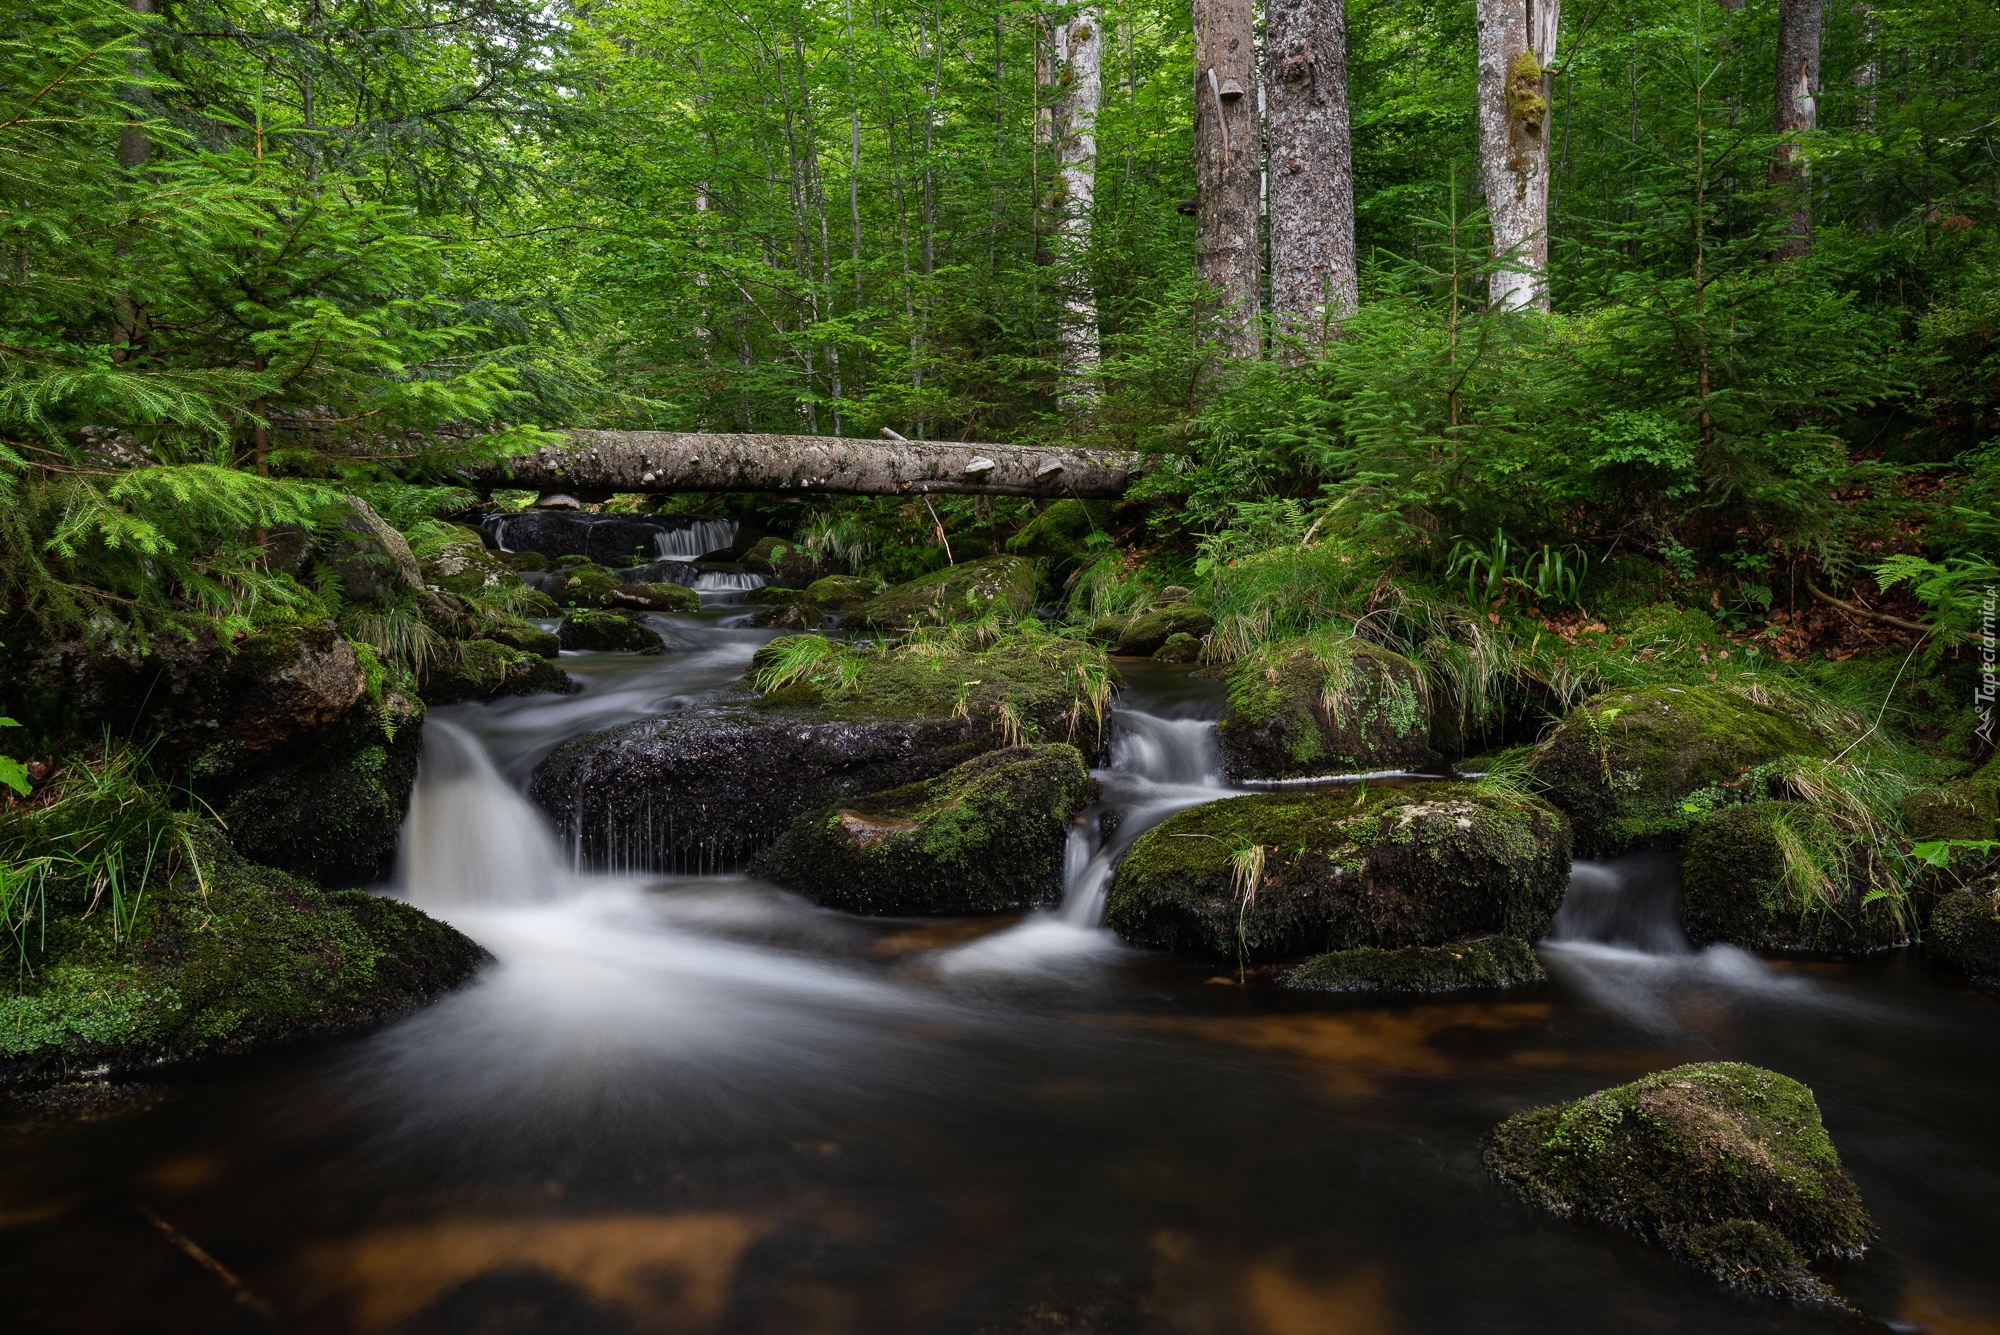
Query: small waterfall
[[1166, 750], [697, 539], [470, 840], [1632, 902], [727, 581]]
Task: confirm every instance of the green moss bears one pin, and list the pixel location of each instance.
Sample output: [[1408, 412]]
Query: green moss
[[463, 566], [839, 590], [655, 598], [485, 669], [241, 956], [1142, 634], [986, 836], [1179, 647], [331, 809], [1623, 763], [1060, 534], [1726, 1165], [1368, 866], [608, 631], [516, 633], [1965, 932], [586, 584], [1480, 961], [1739, 886], [969, 591], [1325, 705]]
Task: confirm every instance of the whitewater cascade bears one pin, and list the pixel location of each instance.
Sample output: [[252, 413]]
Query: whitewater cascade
[[471, 841], [695, 540]]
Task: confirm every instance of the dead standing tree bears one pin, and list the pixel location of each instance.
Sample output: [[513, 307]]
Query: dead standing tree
[[1313, 282], [1228, 167], [1800, 24]]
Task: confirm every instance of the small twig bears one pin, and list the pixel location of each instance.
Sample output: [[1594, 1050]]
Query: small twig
[[237, 1288], [1855, 609], [939, 525]]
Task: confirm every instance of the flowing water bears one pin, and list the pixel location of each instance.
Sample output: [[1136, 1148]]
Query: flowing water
[[703, 1105]]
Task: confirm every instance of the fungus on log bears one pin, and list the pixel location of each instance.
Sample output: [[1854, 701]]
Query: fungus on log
[[669, 461]]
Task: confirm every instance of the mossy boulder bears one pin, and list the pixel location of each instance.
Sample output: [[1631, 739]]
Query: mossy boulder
[[986, 836], [332, 806], [655, 598], [583, 584], [608, 631], [1320, 705], [1623, 763], [1060, 534], [371, 559], [784, 562], [836, 591], [1475, 962], [1180, 647], [241, 956], [486, 670], [1142, 634], [464, 566], [1279, 874], [516, 633], [1727, 1166], [1738, 885], [1964, 932], [969, 591]]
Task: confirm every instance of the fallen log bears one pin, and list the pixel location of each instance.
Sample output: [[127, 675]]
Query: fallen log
[[667, 461]]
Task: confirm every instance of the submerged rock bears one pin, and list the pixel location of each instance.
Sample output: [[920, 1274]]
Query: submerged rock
[[1737, 886], [585, 629], [1622, 763], [1478, 961], [986, 836], [1296, 873], [237, 957], [1965, 932], [964, 592], [1307, 707], [1727, 1166]]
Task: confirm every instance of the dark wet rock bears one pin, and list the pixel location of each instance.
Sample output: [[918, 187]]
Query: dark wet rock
[[1307, 707], [330, 807], [683, 573], [1725, 1165], [372, 559], [215, 706], [237, 958], [783, 562], [1623, 763], [1279, 874], [964, 592], [1736, 887], [685, 789], [1179, 647], [585, 629], [607, 538], [656, 598], [986, 836], [1476, 962], [1964, 932], [486, 670]]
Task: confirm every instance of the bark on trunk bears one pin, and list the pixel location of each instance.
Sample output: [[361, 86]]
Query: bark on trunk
[[1313, 282], [606, 462], [1800, 23], [1227, 170], [1079, 46], [1517, 41]]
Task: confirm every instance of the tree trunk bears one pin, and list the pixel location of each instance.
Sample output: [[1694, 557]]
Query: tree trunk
[[1079, 46], [1227, 170], [1800, 23], [1313, 282], [607, 462], [1517, 40]]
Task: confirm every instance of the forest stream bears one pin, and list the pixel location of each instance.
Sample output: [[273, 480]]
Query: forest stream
[[694, 1103]]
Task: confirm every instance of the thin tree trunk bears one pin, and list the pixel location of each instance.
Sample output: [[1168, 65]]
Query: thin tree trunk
[[1800, 24], [1517, 40], [1227, 167], [1079, 47], [1313, 282]]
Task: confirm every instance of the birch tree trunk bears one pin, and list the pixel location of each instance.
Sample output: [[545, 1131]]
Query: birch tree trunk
[[1800, 23], [1517, 40], [1079, 50], [1313, 281], [1227, 167]]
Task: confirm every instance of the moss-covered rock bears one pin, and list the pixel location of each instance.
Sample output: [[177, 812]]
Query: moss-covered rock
[[330, 808], [1180, 647], [1142, 634], [371, 559], [1060, 534], [836, 591], [968, 591], [1725, 1165], [1371, 866], [1737, 885], [784, 562], [1964, 932], [655, 598], [608, 631], [1623, 763], [1476, 962], [986, 836], [525, 561], [516, 633], [585, 585], [467, 568], [240, 956], [486, 669], [1313, 706]]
